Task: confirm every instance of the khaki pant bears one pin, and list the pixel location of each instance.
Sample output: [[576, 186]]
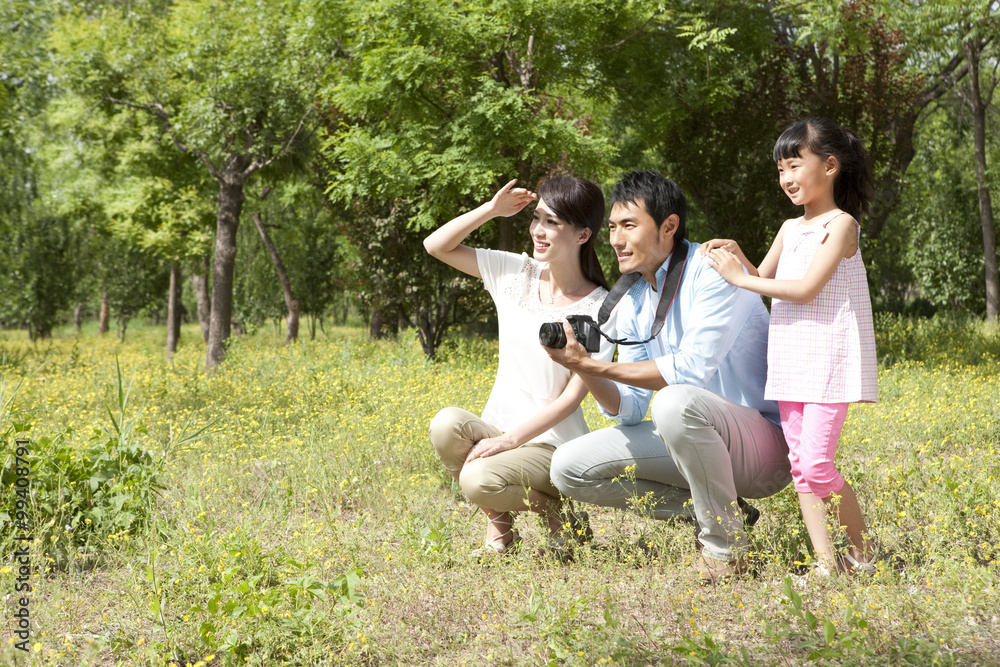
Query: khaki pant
[[499, 482]]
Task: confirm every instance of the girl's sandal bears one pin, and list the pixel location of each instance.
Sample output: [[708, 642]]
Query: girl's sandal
[[816, 573], [868, 567]]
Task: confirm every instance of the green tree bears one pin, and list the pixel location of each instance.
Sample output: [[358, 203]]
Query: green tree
[[39, 244], [159, 201], [954, 46], [42, 271], [314, 256], [442, 103], [231, 83], [720, 80], [978, 95], [133, 279]]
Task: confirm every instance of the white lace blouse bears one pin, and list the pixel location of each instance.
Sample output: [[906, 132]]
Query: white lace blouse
[[527, 380]]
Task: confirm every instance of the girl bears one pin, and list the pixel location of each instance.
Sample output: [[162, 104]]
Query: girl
[[821, 351], [502, 460]]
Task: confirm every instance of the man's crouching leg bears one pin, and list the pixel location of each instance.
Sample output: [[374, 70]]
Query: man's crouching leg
[[724, 450]]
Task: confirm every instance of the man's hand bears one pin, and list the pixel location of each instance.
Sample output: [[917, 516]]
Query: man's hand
[[571, 356]]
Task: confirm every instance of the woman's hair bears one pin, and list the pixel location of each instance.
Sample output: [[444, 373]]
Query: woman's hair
[[580, 203], [854, 186]]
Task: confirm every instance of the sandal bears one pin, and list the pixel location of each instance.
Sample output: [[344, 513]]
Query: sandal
[[869, 567], [711, 571], [499, 547]]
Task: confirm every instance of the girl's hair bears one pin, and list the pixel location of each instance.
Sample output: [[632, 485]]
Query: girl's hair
[[854, 186], [580, 203]]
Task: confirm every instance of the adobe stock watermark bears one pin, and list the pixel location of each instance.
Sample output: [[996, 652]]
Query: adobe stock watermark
[[21, 561]]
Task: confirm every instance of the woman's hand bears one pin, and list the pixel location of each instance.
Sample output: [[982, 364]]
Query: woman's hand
[[510, 200], [727, 264], [489, 447]]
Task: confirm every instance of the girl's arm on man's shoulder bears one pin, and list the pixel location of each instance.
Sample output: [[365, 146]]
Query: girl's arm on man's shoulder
[[840, 242]]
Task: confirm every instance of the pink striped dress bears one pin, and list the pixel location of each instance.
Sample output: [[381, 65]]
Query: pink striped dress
[[822, 351]]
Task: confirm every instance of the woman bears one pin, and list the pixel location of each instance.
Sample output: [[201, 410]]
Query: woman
[[501, 460]]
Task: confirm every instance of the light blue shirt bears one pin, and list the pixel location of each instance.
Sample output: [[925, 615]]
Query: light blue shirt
[[715, 337]]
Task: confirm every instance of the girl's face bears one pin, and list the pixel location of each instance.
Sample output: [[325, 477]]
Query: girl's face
[[554, 240], [808, 178]]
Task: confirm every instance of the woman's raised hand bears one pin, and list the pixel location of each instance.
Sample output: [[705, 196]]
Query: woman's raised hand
[[510, 200]]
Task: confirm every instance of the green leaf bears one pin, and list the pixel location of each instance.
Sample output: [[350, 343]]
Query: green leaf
[[829, 631]]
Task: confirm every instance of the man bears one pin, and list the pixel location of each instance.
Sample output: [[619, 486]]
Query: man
[[712, 437]]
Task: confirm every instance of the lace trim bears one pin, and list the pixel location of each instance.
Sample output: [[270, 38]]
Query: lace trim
[[523, 289]]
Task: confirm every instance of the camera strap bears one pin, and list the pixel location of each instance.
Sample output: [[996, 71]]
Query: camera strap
[[671, 285]]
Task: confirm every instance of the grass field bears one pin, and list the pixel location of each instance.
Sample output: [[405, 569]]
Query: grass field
[[289, 509]]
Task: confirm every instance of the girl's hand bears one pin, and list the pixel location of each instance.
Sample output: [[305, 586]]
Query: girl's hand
[[510, 200], [726, 244], [489, 447], [727, 264]]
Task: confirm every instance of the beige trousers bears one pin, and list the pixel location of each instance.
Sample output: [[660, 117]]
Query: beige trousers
[[499, 482]]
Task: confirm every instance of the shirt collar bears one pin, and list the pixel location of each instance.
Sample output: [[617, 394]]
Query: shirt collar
[[661, 274]]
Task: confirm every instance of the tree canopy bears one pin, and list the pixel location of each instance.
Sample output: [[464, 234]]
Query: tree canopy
[[143, 129]]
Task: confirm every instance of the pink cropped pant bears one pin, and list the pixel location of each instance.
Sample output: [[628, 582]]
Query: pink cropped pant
[[812, 431]]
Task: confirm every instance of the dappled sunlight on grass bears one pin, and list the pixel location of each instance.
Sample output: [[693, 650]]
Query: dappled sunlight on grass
[[314, 525]]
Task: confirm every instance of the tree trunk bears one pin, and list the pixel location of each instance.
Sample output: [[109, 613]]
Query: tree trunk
[[228, 220], [978, 106], [380, 327], [103, 319], [78, 316], [173, 310], [291, 303], [375, 324], [200, 283]]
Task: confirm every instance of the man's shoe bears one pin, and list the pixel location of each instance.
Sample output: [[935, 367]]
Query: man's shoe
[[712, 571], [750, 513], [750, 516]]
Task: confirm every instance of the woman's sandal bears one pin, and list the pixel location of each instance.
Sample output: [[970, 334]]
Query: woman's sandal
[[498, 547]]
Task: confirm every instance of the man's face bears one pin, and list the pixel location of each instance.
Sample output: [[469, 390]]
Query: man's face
[[639, 245]]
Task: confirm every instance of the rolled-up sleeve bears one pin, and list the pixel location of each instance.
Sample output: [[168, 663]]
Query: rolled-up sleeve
[[633, 401]]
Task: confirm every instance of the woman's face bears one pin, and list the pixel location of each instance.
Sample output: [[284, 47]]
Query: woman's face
[[555, 240]]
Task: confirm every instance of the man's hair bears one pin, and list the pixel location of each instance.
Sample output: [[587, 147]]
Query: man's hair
[[660, 196]]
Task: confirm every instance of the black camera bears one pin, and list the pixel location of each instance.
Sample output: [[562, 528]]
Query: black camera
[[585, 329]]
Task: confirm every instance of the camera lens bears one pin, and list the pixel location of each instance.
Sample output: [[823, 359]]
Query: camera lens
[[551, 334]]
